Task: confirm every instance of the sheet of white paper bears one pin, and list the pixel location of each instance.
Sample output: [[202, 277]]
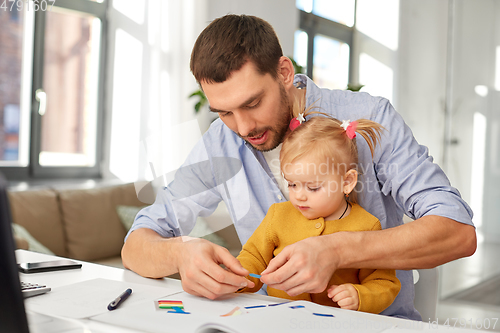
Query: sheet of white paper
[[205, 315], [146, 317], [298, 316], [90, 298]]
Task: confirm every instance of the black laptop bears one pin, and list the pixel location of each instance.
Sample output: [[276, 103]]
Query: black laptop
[[13, 317], [12, 314]]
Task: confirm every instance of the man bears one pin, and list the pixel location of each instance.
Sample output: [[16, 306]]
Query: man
[[240, 66]]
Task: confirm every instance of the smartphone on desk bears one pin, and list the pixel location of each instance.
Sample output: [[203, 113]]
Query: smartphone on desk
[[48, 266]]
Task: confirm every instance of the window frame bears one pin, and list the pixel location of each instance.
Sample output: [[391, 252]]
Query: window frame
[[316, 25], [34, 170]]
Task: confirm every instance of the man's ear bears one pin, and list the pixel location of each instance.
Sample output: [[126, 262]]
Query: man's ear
[[350, 180], [286, 71]]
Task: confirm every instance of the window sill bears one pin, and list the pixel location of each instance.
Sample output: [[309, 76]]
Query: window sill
[[63, 184]]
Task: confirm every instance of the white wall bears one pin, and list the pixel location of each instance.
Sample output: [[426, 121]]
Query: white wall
[[422, 84], [421, 70], [481, 62]]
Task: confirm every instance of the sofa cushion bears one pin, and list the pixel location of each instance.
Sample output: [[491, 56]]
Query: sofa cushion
[[91, 222], [21, 234], [21, 243], [38, 212], [127, 216]]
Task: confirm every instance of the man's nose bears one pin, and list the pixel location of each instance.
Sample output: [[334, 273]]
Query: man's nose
[[244, 123]]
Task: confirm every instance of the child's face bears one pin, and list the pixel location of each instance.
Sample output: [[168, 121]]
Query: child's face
[[315, 189]]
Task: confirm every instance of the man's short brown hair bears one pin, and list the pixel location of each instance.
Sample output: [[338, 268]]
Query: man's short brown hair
[[229, 42]]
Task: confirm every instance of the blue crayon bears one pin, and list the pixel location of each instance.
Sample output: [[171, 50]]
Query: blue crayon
[[323, 314], [255, 306]]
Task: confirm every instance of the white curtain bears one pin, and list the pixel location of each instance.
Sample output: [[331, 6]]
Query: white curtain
[[150, 121]]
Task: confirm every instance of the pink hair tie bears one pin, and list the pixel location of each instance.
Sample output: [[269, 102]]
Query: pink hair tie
[[295, 122], [350, 128]]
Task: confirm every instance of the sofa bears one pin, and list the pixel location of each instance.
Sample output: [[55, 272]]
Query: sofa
[[85, 224]]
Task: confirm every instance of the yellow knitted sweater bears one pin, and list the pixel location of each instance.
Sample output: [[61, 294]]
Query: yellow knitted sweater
[[285, 225]]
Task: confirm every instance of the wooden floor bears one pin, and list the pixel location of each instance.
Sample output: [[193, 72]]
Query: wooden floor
[[487, 292], [470, 290]]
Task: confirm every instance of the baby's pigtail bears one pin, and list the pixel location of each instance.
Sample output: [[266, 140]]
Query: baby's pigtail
[[299, 108], [371, 132]]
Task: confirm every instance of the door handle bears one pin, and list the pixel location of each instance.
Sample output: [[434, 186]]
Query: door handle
[[41, 97]]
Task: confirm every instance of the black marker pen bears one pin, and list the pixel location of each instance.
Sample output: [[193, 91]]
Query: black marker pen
[[119, 300]]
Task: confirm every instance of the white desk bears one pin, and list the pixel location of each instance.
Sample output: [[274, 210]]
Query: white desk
[[88, 271], [91, 271]]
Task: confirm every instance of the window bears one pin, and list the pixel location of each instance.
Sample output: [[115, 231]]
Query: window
[[16, 36], [330, 62], [323, 45], [340, 11], [50, 123], [354, 42], [70, 67]]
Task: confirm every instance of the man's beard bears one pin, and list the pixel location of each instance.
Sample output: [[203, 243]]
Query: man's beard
[[281, 127]]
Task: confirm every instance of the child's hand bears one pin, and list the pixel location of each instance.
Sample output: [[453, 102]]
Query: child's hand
[[345, 295]]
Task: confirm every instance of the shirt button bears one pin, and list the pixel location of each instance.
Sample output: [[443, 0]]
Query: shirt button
[[318, 225], [280, 197]]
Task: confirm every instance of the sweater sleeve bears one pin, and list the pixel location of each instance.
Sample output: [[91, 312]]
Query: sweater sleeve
[[377, 290], [378, 287], [257, 252]]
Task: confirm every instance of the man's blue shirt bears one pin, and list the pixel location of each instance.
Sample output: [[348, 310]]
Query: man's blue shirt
[[400, 179]]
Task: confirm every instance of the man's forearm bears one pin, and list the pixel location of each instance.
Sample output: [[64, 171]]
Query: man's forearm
[[424, 243], [145, 251]]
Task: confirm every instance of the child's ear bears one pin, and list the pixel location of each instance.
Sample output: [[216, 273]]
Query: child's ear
[[350, 180]]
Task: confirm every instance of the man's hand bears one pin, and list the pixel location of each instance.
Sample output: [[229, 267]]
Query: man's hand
[[197, 260], [303, 267], [345, 295], [201, 274]]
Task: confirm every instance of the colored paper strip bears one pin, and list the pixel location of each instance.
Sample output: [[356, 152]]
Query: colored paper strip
[[255, 306], [178, 310], [234, 312], [170, 306], [278, 304], [255, 275]]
